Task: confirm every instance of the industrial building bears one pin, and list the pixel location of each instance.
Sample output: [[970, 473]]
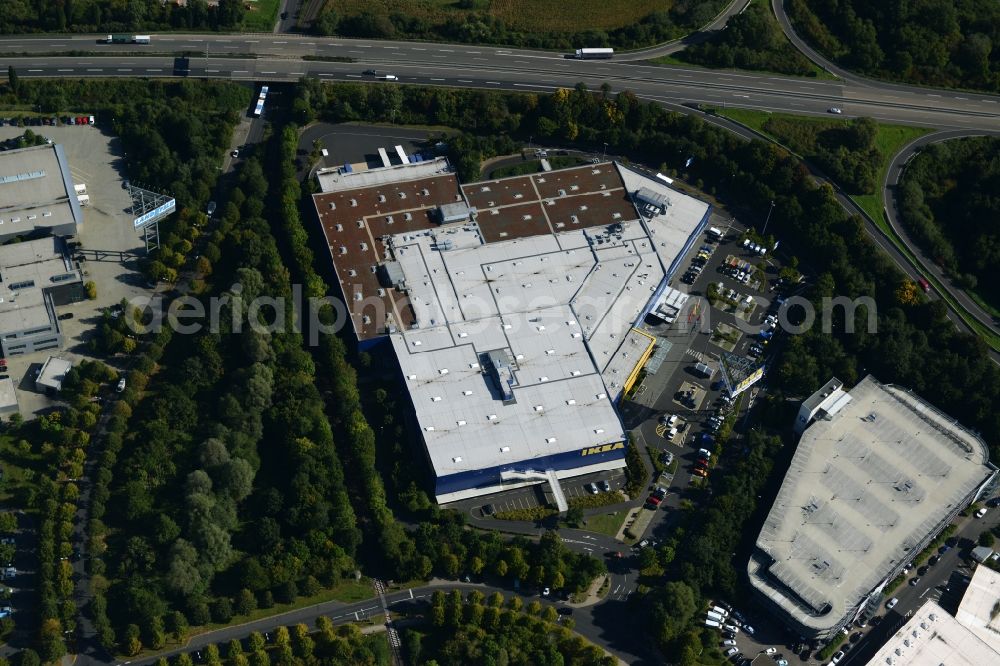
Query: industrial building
[[511, 305], [932, 637], [877, 474], [36, 276], [37, 195]]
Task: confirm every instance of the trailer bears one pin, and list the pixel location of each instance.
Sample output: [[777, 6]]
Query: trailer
[[594, 54], [126, 39]]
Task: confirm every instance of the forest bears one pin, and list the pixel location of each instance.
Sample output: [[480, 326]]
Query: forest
[[944, 43], [21, 16], [752, 40], [949, 202]]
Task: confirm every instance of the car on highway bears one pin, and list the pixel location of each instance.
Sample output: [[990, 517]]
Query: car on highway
[[981, 512], [370, 72], [889, 605], [834, 109]]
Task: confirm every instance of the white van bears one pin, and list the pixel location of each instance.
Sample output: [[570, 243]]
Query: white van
[[712, 623], [720, 610], [716, 617]]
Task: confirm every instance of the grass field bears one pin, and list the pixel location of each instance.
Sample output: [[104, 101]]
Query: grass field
[[889, 140], [527, 15], [261, 16], [605, 523]]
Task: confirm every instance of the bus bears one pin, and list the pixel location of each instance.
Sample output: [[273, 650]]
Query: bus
[[594, 54], [259, 108]]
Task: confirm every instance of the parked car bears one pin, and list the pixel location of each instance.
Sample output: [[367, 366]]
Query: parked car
[[981, 512], [915, 581], [729, 641], [837, 657], [889, 605], [121, 385], [605, 486], [731, 651], [592, 487], [654, 500]]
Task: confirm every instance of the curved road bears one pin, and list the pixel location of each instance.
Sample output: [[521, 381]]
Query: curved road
[[925, 265], [889, 192]]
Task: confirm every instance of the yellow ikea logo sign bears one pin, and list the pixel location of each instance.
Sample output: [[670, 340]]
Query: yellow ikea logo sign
[[602, 449]]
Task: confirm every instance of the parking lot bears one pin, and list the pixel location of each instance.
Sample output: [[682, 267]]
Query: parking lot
[[107, 237], [540, 495]]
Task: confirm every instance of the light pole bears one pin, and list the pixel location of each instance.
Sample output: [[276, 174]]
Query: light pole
[[768, 219], [605, 154]]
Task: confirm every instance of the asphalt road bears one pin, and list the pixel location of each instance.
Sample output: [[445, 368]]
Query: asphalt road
[[281, 58]]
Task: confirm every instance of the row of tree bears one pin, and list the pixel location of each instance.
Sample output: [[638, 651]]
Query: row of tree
[[934, 42], [19, 16], [948, 201]]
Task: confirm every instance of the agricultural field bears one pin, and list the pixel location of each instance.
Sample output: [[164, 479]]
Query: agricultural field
[[526, 15]]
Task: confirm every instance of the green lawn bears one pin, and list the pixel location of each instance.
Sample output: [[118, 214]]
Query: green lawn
[[671, 61], [605, 523], [262, 16]]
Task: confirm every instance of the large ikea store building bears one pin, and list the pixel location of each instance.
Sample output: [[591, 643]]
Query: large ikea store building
[[512, 305]]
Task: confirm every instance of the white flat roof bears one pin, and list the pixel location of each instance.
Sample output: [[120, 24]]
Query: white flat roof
[[561, 304], [977, 610], [8, 397], [865, 488], [36, 190], [53, 373], [932, 637]]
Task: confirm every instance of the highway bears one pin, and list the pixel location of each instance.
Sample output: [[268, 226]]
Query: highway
[[283, 57]]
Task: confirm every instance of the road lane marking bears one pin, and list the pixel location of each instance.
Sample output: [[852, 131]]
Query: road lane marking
[[124, 70], [281, 42], [464, 81], [353, 76], [417, 48], [298, 73], [64, 70], [34, 70], [390, 47], [153, 70], [446, 50], [268, 72], [364, 46], [437, 79], [474, 52], [97, 69], [212, 71]]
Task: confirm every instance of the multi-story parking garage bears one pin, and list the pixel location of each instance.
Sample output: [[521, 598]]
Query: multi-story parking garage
[[877, 475], [511, 305]]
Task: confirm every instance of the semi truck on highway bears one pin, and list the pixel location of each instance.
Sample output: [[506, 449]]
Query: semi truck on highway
[[594, 54], [126, 39]]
